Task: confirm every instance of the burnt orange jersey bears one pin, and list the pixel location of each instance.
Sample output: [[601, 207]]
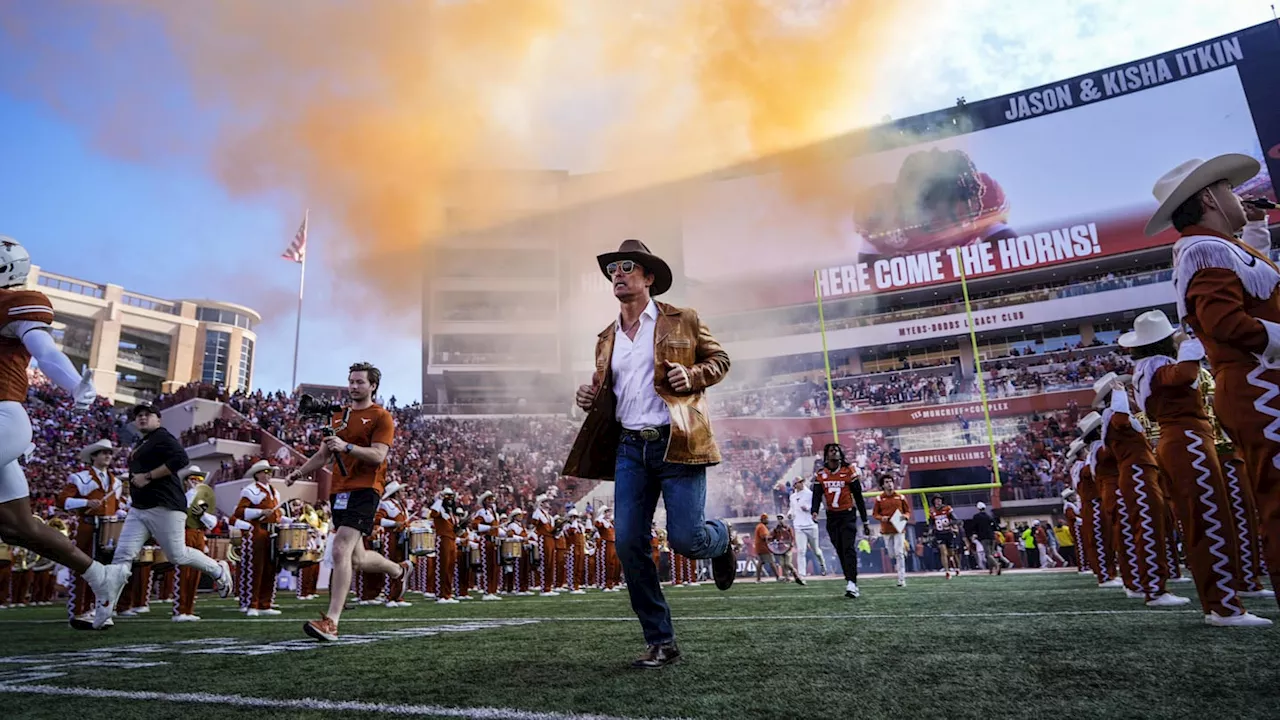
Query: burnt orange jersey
[[18, 306], [364, 428], [835, 486], [884, 508], [942, 519]]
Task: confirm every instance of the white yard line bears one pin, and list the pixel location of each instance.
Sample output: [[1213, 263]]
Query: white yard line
[[312, 704], [408, 621]]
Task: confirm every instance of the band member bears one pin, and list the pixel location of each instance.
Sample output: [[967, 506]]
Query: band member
[[652, 431], [446, 566], [782, 538], [1227, 294], [520, 579], [200, 501], [1071, 513], [562, 554], [486, 534], [545, 532], [393, 518], [1167, 384], [886, 506], [309, 574], [158, 507], [363, 433], [842, 492], [90, 495], [575, 555], [255, 515], [606, 549], [1092, 544], [468, 563], [1142, 504], [26, 323]]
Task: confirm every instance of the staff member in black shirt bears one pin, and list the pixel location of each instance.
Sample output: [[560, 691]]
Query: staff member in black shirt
[[159, 507]]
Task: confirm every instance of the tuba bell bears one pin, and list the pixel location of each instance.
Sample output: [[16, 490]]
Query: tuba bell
[[1208, 387]]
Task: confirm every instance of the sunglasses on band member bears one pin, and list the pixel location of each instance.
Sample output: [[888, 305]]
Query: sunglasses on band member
[[627, 267]]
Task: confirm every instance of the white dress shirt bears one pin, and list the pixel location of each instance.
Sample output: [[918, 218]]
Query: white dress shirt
[[638, 404]]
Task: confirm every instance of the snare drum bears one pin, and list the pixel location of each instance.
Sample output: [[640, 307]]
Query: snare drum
[[109, 534], [476, 558], [422, 540], [161, 560], [512, 549], [218, 548], [146, 555], [291, 539], [6, 555]]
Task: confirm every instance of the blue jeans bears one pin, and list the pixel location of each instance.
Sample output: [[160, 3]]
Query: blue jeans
[[640, 476]]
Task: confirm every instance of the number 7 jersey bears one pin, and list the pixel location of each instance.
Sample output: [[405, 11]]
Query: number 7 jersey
[[835, 487]]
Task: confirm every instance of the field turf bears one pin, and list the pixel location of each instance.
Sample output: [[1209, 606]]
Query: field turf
[[1017, 646]]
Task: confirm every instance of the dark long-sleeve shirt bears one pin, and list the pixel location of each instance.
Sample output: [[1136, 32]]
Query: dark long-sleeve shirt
[[159, 448]]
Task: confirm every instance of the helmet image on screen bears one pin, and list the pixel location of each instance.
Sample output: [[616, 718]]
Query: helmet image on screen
[[939, 200]]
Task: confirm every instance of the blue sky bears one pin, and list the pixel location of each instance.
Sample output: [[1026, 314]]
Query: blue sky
[[172, 231]]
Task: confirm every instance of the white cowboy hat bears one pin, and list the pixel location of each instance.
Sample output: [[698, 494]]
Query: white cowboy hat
[[1067, 493], [516, 512], [1102, 388], [541, 499], [485, 495], [392, 488], [1074, 448], [1179, 184], [1149, 327], [86, 452], [574, 513], [1089, 423], [446, 491], [258, 467], [602, 509], [190, 470]]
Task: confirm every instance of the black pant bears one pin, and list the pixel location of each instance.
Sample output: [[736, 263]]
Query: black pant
[[843, 529]]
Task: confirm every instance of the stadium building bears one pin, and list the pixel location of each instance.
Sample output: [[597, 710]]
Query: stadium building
[[140, 346]]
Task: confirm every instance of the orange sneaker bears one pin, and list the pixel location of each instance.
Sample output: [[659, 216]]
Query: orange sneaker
[[324, 629]]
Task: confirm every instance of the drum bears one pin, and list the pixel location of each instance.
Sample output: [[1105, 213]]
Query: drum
[[6, 555], [422, 540], [476, 558], [161, 560], [291, 539], [218, 547], [779, 548], [22, 559], [146, 555], [535, 556], [109, 534], [512, 549]]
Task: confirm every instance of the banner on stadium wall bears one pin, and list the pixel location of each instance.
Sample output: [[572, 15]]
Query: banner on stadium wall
[[1053, 175], [819, 428], [948, 458]]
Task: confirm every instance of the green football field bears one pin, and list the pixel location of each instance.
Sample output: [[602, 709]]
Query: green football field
[[1023, 645]]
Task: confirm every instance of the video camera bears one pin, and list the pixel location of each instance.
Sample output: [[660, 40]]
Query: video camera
[[310, 406]]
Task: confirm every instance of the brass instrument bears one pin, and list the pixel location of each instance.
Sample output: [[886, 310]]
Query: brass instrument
[[1221, 440], [662, 541]]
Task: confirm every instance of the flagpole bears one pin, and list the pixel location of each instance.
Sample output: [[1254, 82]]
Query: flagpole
[[302, 283]]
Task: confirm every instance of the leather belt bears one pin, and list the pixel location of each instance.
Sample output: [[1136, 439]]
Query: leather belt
[[649, 434]]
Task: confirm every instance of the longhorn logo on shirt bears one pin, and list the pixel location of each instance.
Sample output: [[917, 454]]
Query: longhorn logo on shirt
[[365, 421]]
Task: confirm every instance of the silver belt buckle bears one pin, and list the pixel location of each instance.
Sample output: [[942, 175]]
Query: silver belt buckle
[[650, 434]]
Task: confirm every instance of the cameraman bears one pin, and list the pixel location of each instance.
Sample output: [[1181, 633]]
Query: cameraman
[[359, 446]]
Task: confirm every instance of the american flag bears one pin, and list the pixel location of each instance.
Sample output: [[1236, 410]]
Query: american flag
[[297, 249]]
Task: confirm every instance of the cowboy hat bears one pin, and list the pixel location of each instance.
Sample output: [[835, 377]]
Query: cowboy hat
[[574, 513], [1074, 448], [541, 499], [258, 467], [1067, 493], [1181, 183], [446, 491], [602, 509], [1149, 327], [86, 452], [637, 252], [485, 495], [392, 488], [1089, 423], [516, 511], [190, 470], [1102, 388]]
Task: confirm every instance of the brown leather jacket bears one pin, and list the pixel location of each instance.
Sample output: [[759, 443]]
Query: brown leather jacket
[[681, 337]]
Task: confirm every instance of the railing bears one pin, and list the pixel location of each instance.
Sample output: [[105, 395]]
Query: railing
[[1005, 300], [147, 303], [79, 287]]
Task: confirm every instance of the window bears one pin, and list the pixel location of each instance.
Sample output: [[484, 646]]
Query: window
[[246, 363], [224, 317], [69, 286], [215, 357], [148, 304]]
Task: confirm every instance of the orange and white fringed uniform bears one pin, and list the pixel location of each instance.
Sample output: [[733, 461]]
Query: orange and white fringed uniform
[[1092, 542], [1168, 390], [1142, 504], [393, 518], [1116, 539], [487, 536], [575, 555], [1229, 294], [441, 581], [82, 488], [1244, 512], [607, 549], [544, 532], [259, 507]]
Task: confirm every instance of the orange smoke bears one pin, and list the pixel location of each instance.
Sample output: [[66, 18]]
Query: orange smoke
[[371, 112]]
